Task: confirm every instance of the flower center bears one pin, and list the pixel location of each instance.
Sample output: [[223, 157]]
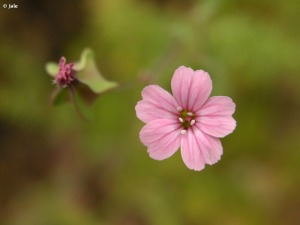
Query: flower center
[[186, 119]]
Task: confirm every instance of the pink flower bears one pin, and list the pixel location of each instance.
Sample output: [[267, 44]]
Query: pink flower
[[65, 74], [189, 119]]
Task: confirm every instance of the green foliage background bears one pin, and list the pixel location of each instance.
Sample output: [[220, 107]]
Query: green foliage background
[[56, 169]]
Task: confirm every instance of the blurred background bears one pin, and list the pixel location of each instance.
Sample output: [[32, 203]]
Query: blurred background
[[56, 169]]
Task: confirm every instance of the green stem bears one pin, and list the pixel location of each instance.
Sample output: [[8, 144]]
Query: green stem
[[73, 100]]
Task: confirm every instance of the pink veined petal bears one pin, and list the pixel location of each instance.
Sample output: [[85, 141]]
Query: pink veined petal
[[162, 137], [200, 90], [156, 104], [190, 152], [147, 111], [215, 116], [181, 84], [217, 106], [217, 126], [211, 147], [198, 149], [160, 97]]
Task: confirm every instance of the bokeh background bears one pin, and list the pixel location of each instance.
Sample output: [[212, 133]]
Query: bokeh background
[[57, 169]]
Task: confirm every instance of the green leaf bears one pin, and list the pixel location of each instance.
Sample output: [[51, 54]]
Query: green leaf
[[52, 68], [89, 75]]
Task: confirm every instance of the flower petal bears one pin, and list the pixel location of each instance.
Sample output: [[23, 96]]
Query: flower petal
[[156, 104], [198, 149], [211, 147], [215, 116], [162, 137], [147, 112], [200, 90], [190, 152], [217, 126], [217, 106], [181, 84], [191, 89]]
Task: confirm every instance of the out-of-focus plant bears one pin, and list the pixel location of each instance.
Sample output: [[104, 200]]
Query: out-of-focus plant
[[79, 83]]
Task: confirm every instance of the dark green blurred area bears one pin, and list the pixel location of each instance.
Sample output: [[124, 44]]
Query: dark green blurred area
[[56, 169]]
